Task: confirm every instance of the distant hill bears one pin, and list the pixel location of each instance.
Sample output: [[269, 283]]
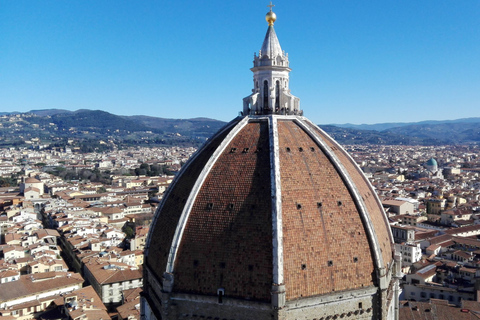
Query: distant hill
[[196, 127], [43, 113], [460, 131], [97, 130], [96, 120], [357, 136], [447, 133], [49, 112], [100, 130], [390, 125], [102, 121]]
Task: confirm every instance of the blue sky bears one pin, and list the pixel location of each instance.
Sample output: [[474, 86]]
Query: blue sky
[[353, 61]]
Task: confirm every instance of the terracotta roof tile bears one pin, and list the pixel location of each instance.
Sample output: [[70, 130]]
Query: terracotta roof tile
[[163, 227], [324, 248], [25, 286]]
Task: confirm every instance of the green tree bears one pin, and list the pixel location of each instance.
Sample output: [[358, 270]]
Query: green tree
[[8, 182], [129, 232], [429, 207]]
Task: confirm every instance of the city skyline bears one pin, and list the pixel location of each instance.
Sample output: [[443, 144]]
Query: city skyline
[[352, 62]]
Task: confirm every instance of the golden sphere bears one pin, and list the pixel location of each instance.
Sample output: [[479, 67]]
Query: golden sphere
[[271, 17]]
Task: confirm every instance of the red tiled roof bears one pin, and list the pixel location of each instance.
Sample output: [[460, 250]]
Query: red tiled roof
[[37, 283], [454, 231], [104, 272], [436, 310]]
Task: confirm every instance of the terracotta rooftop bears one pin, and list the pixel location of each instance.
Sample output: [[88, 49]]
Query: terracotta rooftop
[[393, 202], [37, 284], [436, 310], [132, 294], [455, 231], [87, 302], [427, 271], [32, 180], [105, 272], [8, 273], [130, 310]]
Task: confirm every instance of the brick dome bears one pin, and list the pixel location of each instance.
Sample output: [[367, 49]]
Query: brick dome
[[270, 219], [270, 201]]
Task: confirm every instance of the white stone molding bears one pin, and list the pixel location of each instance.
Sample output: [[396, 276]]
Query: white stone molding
[[177, 178], [277, 229], [195, 190], [367, 222]]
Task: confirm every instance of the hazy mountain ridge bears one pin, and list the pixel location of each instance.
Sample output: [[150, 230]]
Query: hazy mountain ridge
[[390, 125], [199, 127], [100, 130], [52, 125], [357, 136], [449, 133], [431, 132]]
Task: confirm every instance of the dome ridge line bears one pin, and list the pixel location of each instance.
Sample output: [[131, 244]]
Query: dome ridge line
[[375, 195], [195, 190], [367, 222], [178, 176], [278, 288]]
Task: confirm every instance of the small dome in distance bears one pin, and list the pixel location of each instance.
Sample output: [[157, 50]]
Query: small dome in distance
[[432, 162]]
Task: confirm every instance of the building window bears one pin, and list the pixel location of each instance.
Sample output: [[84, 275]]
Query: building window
[[277, 96], [220, 293], [265, 94]]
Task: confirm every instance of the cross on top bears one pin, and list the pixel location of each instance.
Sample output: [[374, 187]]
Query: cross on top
[[271, 5]]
